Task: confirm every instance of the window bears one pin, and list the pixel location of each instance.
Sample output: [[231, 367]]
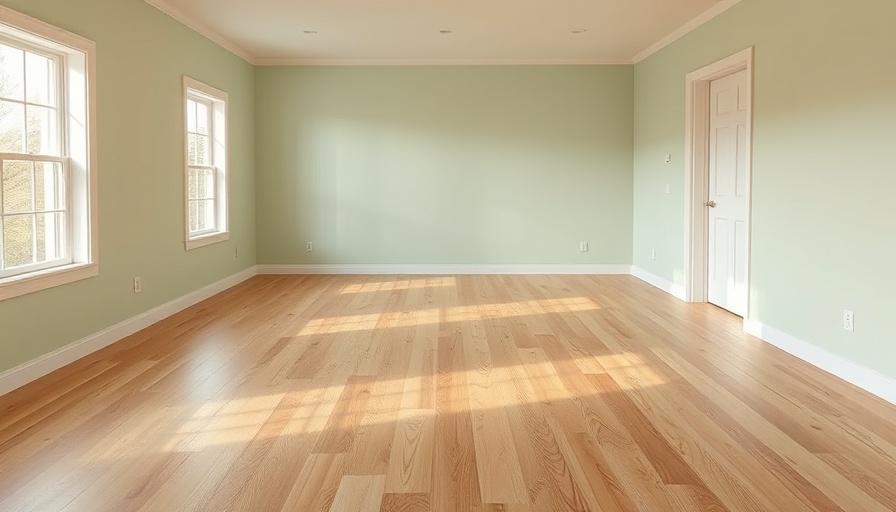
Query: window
[[206, 164], [47, 155]]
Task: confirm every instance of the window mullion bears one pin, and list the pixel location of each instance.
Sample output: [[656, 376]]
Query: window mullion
[[33, 207], [68, 215], [210, 124], [25, 100]]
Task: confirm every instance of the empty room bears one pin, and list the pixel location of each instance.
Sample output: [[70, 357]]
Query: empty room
[[599, 255]]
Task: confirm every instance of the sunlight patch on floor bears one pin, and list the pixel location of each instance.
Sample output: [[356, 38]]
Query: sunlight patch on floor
[[237, 421], [225, 422], [406, 284], [638, 373], [454, 314]]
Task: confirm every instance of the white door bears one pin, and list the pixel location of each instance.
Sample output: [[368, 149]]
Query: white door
[[727, 199]]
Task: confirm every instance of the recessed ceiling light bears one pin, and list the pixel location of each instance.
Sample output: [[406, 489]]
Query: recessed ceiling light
[[579, 31], [309, 31], [446, 31]]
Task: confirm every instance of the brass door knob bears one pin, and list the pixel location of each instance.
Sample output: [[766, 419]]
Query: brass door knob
[[711, 204]]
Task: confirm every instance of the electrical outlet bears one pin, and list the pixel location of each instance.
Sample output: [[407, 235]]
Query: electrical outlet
[[138, 285], [849, 320], [309, 247], [653, 254], [236, 252], [583, 246]]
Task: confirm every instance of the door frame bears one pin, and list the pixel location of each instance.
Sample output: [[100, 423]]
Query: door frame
[[697, 171]]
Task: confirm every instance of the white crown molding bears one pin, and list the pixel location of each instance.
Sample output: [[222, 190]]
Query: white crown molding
[[444, 269], [667, 286], [202, 29], [441, 62], [682, 31], [17, 377], [852, 372], [224, 42]]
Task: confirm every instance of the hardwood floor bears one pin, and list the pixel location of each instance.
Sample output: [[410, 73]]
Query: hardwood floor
[[467, 393]]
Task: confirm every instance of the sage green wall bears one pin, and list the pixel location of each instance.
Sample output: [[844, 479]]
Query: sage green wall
[[478, 165], [824, 217], [141, 56]]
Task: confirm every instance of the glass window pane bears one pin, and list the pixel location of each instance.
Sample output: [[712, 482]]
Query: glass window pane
[[198, 150], [62, 235], [204, 154], [18, 180], [12, 73], [50, 235], [200, 184], [12, 127], [191, 150], [40, 234], [61, 196], [209, 178], [208, 214], [40, 73], [193, 184], [43, 191], [205, 184], [202, 115], [200, 216], [49, 186], [43, 133], [191, 116], [194, 217], [18, 240]]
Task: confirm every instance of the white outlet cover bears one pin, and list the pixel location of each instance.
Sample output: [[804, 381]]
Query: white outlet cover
[[849, 320]]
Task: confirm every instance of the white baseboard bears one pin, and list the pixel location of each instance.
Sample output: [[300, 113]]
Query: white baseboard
[[17, 377], [669, 287], [852, 372], [447, 269]]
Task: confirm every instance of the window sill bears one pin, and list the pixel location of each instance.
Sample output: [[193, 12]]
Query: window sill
[[202, 241], [43, 279]]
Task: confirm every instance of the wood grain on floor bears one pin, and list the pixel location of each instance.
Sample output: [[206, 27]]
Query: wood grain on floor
[[448, 393]]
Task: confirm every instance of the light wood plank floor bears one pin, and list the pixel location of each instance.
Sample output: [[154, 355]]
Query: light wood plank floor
[[447, 393]]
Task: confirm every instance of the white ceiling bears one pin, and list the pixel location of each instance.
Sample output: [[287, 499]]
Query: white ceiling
[[408, 31]]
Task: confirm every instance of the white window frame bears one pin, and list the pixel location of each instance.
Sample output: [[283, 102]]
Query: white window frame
[[218, 101], [77, 58]]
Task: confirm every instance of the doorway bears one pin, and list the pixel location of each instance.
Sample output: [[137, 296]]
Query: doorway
[[719, 112]]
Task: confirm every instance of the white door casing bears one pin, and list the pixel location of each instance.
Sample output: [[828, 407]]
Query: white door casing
[[698, 108], [729, 112]]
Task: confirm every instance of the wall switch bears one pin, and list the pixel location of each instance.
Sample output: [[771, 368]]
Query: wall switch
[[668, 157], [583, 246], [849, 321], [138, 285], [653, 254], [668, 188], [309, 247], [236, 252]]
